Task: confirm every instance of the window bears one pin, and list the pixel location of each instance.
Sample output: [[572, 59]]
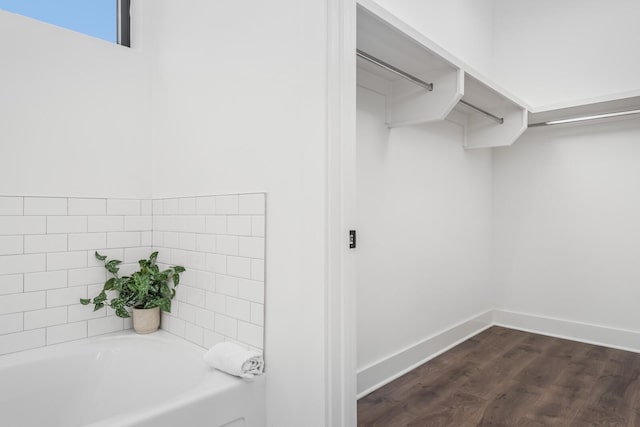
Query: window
[[104, 19]]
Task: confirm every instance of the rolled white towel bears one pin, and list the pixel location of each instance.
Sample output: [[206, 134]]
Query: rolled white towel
[[234, 360]]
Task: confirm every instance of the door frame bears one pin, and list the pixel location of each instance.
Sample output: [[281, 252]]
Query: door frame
[[340, 294]]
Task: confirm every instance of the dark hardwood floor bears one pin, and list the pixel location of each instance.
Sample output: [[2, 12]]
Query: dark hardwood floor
[[504, 377]]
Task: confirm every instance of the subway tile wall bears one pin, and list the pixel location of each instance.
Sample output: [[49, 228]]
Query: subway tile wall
[[220, 240], [47, 264]]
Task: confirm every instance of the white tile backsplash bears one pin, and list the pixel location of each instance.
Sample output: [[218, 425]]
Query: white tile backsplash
[[87, 207], [220, 240], [146, 208], [227, 245], [124, 207], [239, 225], [19, 225], [67, 332], [206, 205], [66, 296], [146, 238], [11, 245], [20, 341], [12, 264], [138, 223], [10, 323], [26, 301], [45, 206], [227, 285], [177, 326], [194, 333], [227, 326], [66, 224], [257, 314], [11, 206], [187, 241], [105, 223], [251, 247], [133, 255], [47, 264], [257, 225], [187, 206], [170, 206], [216, 302], [124, 239], [227, 205], [238, 308], [43, 243], [216, 224], [205, 243], [45, 280], [239, 266], [11, 284], [79, 312], [257, 270], [212, 338], [250, 334], [251, 204], [87, 276], [43, 318], [251, 290], [217, 263], [86, 241], [104, 325], [66, 260]]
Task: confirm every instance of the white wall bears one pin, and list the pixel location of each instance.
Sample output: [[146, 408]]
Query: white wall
[[463, 27], [550, 51], [239, 106], [566, 209], [73, 114], [424, 224]]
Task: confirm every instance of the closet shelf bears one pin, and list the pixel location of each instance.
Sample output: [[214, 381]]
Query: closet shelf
[[401, 64], [619, 106]]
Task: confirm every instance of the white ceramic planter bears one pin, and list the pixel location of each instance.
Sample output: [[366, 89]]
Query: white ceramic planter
[[146, 320]]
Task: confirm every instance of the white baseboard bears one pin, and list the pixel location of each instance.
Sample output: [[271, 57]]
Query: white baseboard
[[567, 329], [380, 373], [398, 364]]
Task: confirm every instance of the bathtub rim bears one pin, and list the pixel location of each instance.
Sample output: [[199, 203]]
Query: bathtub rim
[[214, 381]]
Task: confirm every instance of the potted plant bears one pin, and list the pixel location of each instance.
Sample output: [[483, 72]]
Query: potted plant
[[147, 291]]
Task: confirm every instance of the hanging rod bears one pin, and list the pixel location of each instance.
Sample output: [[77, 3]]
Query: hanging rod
[[586, 118], [497, 119], [428, 86], [389, 67]]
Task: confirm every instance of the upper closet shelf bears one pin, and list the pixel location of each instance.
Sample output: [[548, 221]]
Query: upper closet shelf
[[616, 107], [423, 83]]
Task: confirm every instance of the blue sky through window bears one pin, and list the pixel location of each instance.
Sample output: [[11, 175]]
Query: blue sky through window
[[96, 18]]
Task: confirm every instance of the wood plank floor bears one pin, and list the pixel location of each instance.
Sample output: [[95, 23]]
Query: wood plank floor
[[504, 377]]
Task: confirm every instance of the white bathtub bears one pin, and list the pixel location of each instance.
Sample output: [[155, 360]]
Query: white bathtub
[[124, 379]]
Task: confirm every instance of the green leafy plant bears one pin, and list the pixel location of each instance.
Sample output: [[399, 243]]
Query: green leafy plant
[[146, 288]]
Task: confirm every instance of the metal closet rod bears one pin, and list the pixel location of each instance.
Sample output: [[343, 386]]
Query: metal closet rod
[[499, 120], [380, 63], [428, 86], [586, 118]]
